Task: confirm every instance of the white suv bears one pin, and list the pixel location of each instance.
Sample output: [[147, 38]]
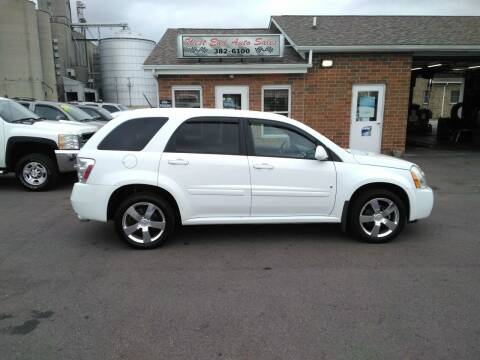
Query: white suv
[[149, 170]]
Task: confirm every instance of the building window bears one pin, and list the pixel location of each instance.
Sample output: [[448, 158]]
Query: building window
[[187, 96], [276, 99], [454, 96], [426, 97]]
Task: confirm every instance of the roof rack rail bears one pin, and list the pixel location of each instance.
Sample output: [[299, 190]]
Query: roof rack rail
[[24, 98]]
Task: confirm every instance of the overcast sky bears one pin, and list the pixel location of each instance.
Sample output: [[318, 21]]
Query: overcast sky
[[150, 18]]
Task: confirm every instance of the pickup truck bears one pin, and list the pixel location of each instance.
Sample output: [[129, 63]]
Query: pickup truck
[[35, 149]]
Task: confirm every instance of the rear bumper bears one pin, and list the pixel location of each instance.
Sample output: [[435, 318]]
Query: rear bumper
[[423, 204], [66, 160], [90, 202]]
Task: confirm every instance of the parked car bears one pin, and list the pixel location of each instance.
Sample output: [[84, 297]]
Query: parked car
[[151, 169], [97, 113], [51, 110], [118, 113], [110, 107], [28, 143]]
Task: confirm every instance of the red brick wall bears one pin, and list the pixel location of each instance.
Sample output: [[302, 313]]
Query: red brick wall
[[328, 95], [322, 97], [255, 83]]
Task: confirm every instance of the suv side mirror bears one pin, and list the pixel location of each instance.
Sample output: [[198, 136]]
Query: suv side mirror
[[321, 153]]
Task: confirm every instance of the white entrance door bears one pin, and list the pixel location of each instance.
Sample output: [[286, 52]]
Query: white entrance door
[[231, 97], [367, 117]]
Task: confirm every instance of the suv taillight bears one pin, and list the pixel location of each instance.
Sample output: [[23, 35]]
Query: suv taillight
[[84, 167]]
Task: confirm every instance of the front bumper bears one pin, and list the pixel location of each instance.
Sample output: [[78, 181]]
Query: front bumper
[[66, 160], [90, 202], [423, 204]]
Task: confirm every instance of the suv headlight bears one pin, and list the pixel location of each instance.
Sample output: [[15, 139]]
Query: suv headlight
[[68, 142], [418, 177]]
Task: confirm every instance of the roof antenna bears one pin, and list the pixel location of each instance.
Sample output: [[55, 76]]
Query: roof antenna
[[314, 24]]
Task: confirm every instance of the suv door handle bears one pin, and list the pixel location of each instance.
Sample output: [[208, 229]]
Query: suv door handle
[[178, 162], [263, 166]]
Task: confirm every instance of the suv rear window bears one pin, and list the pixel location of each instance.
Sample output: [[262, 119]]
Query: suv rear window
[[132, 135]]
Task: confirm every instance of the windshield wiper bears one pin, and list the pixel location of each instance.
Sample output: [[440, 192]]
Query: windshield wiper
[[26, 119]]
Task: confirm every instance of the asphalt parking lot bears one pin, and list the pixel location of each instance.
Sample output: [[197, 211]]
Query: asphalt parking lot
[[71, 290]]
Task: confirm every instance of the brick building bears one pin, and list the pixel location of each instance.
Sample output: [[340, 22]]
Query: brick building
[[349, 77]]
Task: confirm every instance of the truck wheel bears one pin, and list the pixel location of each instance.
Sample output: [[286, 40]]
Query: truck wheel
[[144, 220], [37, 172], [377, 216]]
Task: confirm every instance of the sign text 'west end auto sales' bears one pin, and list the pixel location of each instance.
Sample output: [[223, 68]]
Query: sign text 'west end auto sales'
[[199, 46]]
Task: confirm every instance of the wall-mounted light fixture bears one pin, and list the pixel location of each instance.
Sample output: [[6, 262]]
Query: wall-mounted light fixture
[[417, 68], [434, 65], [327, 63], [474, 67], [231, 76]]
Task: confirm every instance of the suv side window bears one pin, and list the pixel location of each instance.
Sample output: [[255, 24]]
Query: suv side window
[[277, 140], [110, 108], [49, 113], [132, 135], [206, 136]]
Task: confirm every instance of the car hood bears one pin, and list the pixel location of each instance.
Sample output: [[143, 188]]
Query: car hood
[[97, 123], [65, 127], [367, 158], [117, 113]]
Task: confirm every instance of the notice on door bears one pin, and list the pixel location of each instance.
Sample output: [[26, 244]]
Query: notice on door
[[366, 107]]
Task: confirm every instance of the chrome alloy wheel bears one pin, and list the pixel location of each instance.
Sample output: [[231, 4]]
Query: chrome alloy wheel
[[35, 173], [143, 222], [379, 217]]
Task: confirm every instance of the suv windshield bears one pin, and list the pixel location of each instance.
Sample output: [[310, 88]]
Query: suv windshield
[[105, 113], [75, 112], [11, 111]]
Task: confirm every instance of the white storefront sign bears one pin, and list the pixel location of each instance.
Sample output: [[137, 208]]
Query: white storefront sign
[[236, 46]]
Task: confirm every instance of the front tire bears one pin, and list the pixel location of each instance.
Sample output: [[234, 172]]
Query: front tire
[[144, 220], [37, 172], [377, 216]]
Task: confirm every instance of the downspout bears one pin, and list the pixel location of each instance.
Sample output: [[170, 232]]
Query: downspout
[[157, 87], [310, 64]]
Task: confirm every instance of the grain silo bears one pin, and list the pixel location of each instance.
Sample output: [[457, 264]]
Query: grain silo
[[20, 60], [123, 79], [46, 52]]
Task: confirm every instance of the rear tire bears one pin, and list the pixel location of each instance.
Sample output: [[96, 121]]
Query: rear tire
[[144, 220], [37, 172], [377, 216]]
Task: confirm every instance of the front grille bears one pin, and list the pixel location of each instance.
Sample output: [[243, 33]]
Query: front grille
[[84, 138]]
